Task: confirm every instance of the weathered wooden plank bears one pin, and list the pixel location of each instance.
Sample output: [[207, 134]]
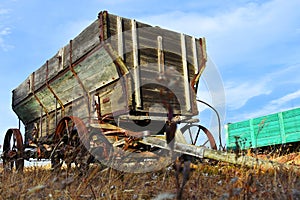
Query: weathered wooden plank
[[195, 55], [185, 74], [94, 74], [160, 55], [86, 41], [21, 92], [120, 37], [43, 74], [83, 43]]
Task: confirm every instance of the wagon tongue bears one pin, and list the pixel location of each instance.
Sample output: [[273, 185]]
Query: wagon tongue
[[137, 134]]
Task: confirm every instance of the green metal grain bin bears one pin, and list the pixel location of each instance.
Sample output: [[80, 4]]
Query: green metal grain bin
[[273, 129]]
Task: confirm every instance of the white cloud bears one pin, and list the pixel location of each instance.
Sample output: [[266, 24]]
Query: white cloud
[[239, 33], [286, 74], [289, 101], [4, 30], [3, 11], [238, 94], [285, 99]]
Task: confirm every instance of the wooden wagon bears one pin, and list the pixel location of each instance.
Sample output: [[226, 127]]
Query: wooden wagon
[[117, 82]]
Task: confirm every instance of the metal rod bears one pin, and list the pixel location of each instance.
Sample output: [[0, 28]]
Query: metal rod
[[219, 120], [197, 135], [55, 112], [32, 90], [41, 123], [51, 90], [47, 125]]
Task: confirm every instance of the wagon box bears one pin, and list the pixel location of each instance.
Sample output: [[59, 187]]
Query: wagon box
[[91, 68], [274, 129], [118, 81]]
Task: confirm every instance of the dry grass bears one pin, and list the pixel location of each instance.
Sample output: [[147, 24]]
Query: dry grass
[[217, 181]]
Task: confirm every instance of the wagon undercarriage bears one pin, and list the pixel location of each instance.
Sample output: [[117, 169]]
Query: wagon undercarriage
[[110, 145]]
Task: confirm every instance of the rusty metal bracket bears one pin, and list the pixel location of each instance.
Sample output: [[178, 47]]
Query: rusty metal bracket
[[196, 78], [116, 59], [78, 79], [35, 96], [51, 90], [121, 67], [43, 108], [102, 16], [218, 116]]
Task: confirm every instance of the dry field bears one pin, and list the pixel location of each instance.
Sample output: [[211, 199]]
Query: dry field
[[210, 180]]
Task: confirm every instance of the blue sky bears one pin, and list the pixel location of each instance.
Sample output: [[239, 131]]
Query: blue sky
[[255, 45]]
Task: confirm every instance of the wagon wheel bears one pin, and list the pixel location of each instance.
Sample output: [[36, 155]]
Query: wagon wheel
[[13, 150], [193, 131], [69, 137]]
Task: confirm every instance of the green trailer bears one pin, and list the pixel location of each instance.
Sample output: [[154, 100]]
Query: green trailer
[[274, 129]]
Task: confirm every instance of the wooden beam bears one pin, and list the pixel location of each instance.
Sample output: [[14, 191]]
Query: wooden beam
[[203, 152], [120, 37], [61, 58], [195, 55], [160, 55], [185, 74], [136, 69], [31, 83]]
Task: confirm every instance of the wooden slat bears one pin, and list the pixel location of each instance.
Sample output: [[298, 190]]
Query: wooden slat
[[61, 57], [160, 55], [185, 74], [195, 56], [136, 65], [120, 37], [31, 83]]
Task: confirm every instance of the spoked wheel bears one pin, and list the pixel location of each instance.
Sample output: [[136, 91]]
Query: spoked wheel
[[100, 147], [193, 132], [70, 135], [13, 150]]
